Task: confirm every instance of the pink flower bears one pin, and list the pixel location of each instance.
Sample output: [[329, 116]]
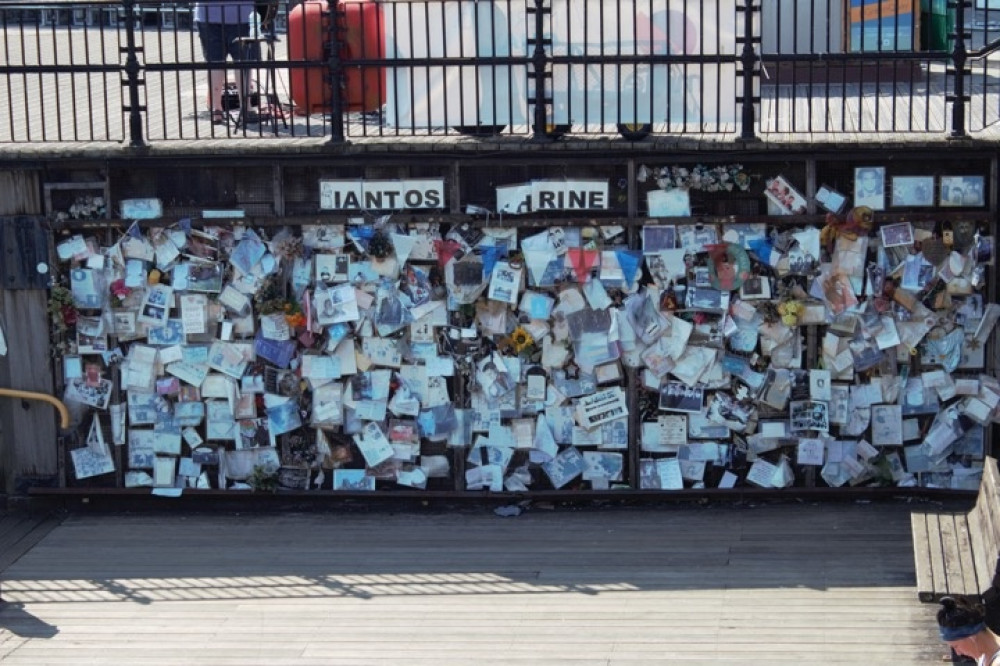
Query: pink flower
[[119, 289]]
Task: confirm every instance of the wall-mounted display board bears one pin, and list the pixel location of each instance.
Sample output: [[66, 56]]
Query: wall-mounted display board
[[377, 352]]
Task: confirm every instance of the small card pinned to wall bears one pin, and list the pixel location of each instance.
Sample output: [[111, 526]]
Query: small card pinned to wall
[[222, 214], [141, 209]]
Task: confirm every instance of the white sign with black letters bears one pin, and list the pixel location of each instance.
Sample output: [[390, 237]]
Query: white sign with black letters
[[553, 195], [601, 407], [381, 194]]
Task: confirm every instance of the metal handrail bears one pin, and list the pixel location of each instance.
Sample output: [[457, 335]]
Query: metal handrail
[[64, 418]]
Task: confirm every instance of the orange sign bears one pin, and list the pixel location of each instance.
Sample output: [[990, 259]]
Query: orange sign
[[873, 11]]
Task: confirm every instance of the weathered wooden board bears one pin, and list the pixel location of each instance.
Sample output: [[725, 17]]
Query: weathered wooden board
[[778, 584], [956, 553], [28, 428], [23, 246]]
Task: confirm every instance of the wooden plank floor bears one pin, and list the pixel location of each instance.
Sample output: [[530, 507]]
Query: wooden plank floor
[[20, 531], [770, 584], [86, 107]]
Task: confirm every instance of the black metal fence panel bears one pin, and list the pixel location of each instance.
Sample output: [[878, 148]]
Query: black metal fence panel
[[137, 72]]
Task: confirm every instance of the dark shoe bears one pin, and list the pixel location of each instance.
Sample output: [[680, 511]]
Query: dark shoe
[[218, 117]]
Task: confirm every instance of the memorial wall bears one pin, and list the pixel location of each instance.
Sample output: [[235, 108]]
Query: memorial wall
[[830, 341]]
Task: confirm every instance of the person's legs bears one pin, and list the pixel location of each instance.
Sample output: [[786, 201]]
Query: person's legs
[[243, 51], [213, 49]]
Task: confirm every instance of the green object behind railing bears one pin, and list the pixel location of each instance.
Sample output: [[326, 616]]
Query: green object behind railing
[[936, 23]]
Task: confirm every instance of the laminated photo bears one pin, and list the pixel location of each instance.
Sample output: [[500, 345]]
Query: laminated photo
[[665, 435], [220, 424], [332, 268], [675, 202], [912, 191], [248, 253], [565, 467], [887, 425], [156, 305], [869, 187], [830, 199], [806, 415], [649, 478], [171, 333], [145, 408], [536, 305], [494, 380], [353, 480], [88, 463], [694, 238], [87, 288], [965, 191], [191, 373], [416, 285], [786, 199], [205, 277], [254, 433], [724, 409], [679, 397], [918, 399], [81, 391], [189, 414], [283, 417], [382, 352], [656, 238], [227, 358], [391, 314], [896, 235], [505, 283], [601, 407], [323, 237], [700, 427], [601, 465], [983, 250], [668, 471], [756, 287], [141, 453], [125, 324], [614, 435], [839, 404], [90, 344], [373, 444], [74, 247]]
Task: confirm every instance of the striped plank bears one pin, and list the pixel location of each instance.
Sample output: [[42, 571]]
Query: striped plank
[[767, 584]]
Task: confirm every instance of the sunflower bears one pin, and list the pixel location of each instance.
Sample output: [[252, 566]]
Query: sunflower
[[521, 339]]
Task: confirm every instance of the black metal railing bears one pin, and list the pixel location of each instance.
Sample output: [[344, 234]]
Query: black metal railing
[[134, 72]]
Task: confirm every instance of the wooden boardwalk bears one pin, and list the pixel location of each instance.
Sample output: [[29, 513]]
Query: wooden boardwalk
[[769, 584], [53, 111]]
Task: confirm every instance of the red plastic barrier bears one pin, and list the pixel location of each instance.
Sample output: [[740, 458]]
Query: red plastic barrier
[[363, 37]]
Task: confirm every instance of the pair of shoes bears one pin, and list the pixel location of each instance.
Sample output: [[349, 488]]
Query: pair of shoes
[[253, 117], [218, 117]]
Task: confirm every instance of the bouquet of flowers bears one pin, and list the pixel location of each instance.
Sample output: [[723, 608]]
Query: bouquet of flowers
[[84, 207]]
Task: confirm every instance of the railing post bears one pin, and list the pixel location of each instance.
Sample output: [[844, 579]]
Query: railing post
[[748, 62], [132, 80], [335, 70], [539, 63], [959, 57]]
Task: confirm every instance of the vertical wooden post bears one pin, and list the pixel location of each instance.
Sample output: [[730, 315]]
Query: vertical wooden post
[[27, 429]]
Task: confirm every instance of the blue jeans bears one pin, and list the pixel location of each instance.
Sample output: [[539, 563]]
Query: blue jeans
[[219, 40]]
